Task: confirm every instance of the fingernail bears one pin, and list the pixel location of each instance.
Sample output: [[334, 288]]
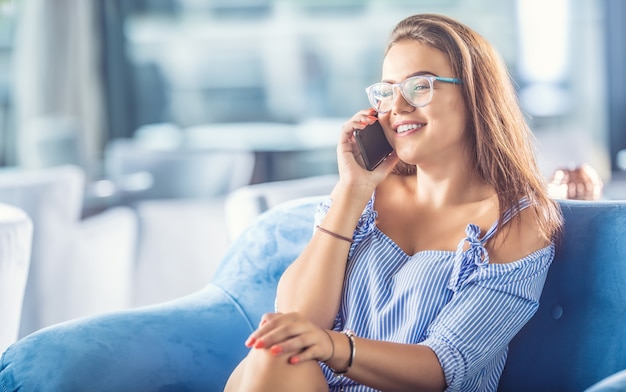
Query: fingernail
[[294, 360], [259, 344], [251, 340], [262, 322], [276, 349]]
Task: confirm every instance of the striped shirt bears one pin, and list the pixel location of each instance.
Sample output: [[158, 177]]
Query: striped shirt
[[455, 302]]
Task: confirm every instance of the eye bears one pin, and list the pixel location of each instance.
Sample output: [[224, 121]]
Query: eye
[[418, 85], [383, 91]]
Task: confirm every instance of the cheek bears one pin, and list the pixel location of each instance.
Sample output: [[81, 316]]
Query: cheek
[[452, 116]]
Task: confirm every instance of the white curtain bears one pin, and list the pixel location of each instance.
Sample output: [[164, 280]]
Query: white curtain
[[58, 91]]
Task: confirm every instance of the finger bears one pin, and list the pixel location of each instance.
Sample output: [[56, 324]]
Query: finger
[[315, 344], [294, 344], [315, 351], [262, 328], [282, 334], [359, 121], [279, 327]]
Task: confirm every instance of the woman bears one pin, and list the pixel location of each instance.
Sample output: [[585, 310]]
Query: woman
[[421, 271]]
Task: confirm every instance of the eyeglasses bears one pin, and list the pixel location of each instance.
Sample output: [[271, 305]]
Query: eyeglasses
[[417, 90]]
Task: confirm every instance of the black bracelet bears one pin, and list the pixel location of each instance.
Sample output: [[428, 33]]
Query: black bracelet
[[333, 234], [350, 335], [332, 345]]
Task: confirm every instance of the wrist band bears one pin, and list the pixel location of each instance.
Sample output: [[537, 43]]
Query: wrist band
[[339, 236], [332, 345], [350, 335]]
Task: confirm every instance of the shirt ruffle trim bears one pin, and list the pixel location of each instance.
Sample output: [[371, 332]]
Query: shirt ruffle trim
[[365, 226], [472, 265], [468, 261]]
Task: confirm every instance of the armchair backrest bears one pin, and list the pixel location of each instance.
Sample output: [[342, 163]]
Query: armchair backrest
[[578, 335], [254, 262]]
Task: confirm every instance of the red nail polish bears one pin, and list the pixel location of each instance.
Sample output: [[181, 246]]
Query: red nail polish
[[276, 350], [294, 360], [259, 344], [250, 342]]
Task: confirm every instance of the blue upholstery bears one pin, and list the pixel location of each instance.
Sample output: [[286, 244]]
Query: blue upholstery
[[578, 335], [577, 338], [614, 383], [190, 344]]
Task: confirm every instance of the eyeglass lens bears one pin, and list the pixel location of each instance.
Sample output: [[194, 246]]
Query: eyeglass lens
[[416, 90]]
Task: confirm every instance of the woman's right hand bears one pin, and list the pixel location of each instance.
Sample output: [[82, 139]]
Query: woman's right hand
[[352, 171], [293, 335]]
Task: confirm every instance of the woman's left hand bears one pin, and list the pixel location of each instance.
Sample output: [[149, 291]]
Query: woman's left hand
[[291, 334]]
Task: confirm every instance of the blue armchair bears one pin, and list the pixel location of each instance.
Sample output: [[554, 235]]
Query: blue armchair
[[577, 337]]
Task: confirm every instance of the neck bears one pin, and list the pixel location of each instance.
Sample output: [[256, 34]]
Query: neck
[[449, 186]]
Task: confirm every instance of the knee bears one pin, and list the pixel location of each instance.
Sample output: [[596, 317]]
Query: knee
[[264, 371], [262, 363]]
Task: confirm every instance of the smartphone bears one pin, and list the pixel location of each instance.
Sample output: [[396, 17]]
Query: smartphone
[[373, 145]]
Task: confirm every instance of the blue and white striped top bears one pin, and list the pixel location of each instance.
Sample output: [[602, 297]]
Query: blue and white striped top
[[455, 302]]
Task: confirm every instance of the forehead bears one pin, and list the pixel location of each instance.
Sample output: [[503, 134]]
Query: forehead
[[407, 58]]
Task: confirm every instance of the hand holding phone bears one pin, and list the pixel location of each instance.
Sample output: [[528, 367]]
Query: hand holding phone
[[373, 145]]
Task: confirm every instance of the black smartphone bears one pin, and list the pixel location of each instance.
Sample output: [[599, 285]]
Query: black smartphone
[[373, 145]]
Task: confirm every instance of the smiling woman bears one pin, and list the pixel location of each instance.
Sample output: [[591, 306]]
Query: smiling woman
[[421, 271]]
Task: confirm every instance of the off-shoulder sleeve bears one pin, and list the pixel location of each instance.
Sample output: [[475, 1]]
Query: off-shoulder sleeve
[[365, 225], [490, 304]]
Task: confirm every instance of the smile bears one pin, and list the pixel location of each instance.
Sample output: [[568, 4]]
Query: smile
[[408, 127]]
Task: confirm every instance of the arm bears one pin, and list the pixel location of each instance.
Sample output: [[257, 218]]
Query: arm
[[472, 332], [468, 339], [312, 285], [389, 366]]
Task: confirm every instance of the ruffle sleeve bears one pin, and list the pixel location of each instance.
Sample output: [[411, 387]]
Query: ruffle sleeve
[[490, 304], [365, 225]]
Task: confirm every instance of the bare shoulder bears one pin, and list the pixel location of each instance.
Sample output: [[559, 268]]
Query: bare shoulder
[[517, 239]]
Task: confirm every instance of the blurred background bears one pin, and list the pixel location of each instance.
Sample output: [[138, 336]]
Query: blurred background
[[166, 107], [75, 75]]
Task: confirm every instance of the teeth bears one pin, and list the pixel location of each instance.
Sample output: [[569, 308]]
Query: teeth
[[408, 127]]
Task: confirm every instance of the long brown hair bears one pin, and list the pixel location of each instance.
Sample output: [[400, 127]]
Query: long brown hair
[[499, 140]]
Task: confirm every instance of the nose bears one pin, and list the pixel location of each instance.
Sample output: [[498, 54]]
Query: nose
[[399, 103]]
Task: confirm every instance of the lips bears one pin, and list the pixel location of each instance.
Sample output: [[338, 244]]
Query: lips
[[408, 127]]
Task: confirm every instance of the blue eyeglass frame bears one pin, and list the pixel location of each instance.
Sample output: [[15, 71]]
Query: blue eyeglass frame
[[430, 79]]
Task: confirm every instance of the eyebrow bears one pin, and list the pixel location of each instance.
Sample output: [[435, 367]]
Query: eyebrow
[[418, 73]]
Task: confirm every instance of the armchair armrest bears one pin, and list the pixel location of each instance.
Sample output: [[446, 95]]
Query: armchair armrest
[[188, 344], [183, 345]]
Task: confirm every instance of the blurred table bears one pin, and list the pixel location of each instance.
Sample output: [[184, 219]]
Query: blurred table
[[282, 151]]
